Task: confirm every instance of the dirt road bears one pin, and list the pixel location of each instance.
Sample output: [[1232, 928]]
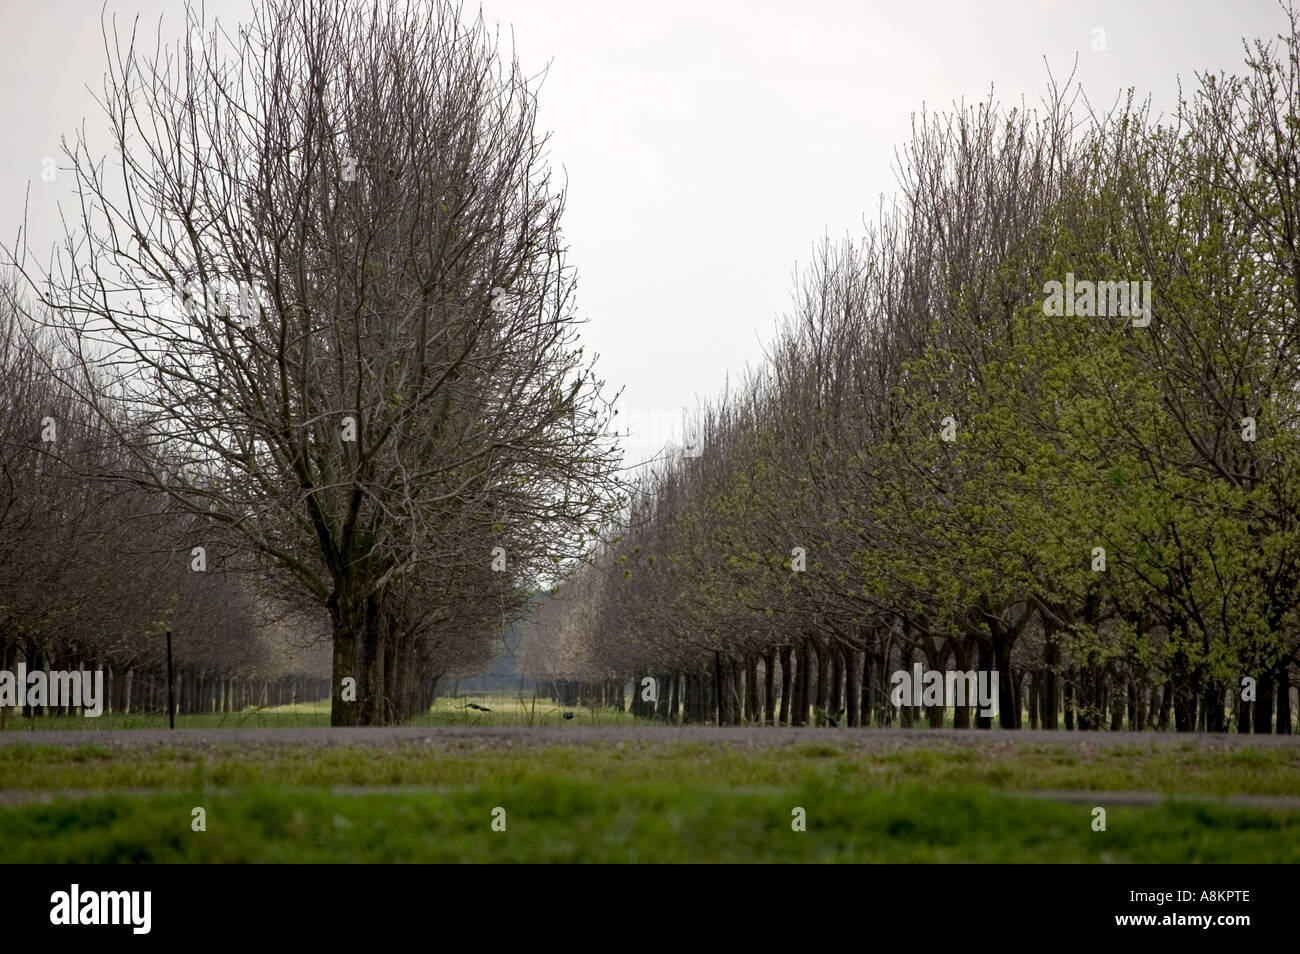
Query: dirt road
[[493, 736]]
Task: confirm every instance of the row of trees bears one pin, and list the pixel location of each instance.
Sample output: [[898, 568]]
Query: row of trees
[[94, 570], [318, 297], [944, 460]]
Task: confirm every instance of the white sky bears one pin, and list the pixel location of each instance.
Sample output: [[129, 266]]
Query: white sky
[[708, 145]]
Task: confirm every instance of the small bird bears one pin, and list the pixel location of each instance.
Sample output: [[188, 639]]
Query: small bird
[[568, 715], [471, 705]]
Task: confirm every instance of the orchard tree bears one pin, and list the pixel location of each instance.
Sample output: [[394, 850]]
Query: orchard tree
[[321, 276]]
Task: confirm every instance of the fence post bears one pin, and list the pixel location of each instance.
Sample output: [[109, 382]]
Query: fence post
[[171, 698]]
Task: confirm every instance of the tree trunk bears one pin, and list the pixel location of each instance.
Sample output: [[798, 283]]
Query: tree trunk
[[1009, 716], [736, 670], [1035, 679], [1068, 701], [987, 663], [868, 688], [1184, 705], [720, 706], [835, 697], [823, 681], [1051, 699], [769, 687], [1212, 703], [853, 687], [787, 685], [1283, 694], [1264, 704], [1118, 693], [804, 694], [1088, 692]]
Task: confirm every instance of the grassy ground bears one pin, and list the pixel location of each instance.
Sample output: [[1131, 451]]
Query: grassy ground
[[641, 801], [1186, 770], [505, 710], [562, 820]]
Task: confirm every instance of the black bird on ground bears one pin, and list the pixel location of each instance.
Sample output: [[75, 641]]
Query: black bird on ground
[[568, 715]]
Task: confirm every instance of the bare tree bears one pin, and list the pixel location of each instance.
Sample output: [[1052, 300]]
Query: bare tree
[[325, 282]]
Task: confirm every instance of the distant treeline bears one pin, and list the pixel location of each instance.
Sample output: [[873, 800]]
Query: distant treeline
[[94, 569]]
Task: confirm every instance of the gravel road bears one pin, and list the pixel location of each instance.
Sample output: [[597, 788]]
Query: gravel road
[[493, 736]]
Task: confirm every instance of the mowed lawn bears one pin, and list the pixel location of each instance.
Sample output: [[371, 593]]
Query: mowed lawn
[[646, 801]]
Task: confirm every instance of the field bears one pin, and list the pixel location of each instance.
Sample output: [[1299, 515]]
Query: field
[[506, 710], [598, 788]]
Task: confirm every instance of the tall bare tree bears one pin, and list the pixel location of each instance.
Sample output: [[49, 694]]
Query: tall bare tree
[[324, 278]]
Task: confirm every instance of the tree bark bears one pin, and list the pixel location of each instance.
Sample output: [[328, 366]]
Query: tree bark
[[987, 663], [1283, 694], [853, 687], [769, 687], [1051, 700], [823, 681], [805, 690], [1264, 704], [787, 685], [835, 696], [1035, 678]]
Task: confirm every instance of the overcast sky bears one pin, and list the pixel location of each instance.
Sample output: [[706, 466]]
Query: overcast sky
[[707, 145]]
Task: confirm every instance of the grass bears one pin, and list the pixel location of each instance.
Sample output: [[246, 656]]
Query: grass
[[507, 710], [1186, 770], [557, 819], [510, 710], [652, 801]]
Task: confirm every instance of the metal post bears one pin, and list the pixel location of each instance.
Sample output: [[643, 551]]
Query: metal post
[[171, 697]]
